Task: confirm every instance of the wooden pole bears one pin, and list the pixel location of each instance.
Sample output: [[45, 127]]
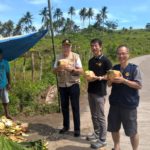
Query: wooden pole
[[14, 76], [53, 47], [41, 66], [32, 61], [51, 29], [24, 66]]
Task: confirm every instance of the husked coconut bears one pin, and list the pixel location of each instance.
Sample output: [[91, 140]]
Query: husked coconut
[[89, 74], [111, 74], [63, 63], [2, 126]]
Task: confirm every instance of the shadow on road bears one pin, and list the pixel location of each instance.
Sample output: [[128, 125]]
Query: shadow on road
[[52, 134], [69, 147]]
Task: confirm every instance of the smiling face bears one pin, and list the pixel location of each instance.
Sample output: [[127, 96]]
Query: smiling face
[[96, 48], [123, 55]]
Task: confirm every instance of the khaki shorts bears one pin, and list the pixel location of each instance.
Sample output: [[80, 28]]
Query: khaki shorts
[[4, 95], [126, 117]]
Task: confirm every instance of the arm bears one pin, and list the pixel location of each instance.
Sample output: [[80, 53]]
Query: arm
[[56, 68], [108, 66], [8, 76], [136, 83], [77, 69], [132, 84], [109, 83]]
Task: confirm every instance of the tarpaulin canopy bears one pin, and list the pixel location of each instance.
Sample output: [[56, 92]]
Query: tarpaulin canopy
[[13, 47]]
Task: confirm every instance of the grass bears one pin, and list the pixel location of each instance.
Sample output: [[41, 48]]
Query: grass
[[26, 91]]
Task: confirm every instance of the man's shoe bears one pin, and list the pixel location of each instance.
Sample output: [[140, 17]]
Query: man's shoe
[[63, 130], [76, 133], [92, 137], [98, 144]]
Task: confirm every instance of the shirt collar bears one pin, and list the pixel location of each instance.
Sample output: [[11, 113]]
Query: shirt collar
[[98, 57]]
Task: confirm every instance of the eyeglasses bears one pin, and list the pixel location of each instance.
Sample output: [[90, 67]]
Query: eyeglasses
[[119, 54]]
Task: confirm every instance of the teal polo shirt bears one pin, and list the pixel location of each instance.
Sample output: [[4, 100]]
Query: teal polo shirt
[[4, 69]]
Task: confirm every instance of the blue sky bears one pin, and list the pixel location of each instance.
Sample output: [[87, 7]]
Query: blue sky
[[128, 13]]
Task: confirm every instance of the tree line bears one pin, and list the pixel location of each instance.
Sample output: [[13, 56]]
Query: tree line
[[60, 23]]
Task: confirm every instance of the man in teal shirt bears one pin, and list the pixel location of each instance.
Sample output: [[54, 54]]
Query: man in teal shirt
[[4, 83]]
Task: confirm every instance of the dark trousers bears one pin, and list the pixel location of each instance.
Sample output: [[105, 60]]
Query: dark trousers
[[70, 93]]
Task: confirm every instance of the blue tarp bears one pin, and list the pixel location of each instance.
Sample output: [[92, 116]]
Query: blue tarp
[[13, 47]]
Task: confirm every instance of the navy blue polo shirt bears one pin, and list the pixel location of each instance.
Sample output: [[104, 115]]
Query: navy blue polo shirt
[[123, 95]]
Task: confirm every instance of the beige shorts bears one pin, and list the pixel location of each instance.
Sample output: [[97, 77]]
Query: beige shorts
[[4, 95]]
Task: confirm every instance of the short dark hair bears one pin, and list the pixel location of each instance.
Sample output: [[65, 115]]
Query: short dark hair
[[66, 42], [96, 40], [122, 45]]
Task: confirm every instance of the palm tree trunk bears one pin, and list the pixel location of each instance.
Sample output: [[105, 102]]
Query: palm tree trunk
[[53, 45]]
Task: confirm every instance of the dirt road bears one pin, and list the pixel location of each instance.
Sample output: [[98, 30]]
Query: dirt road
[[48, 126]]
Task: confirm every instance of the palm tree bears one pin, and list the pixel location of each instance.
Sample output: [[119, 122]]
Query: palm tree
[[62, 22], [147, 26], [131, 28], [71, 12], [111, 25], [69, 24], [76, 28], [90, 14], [83, 14], [108, 24], [98, 20], [7, 28], [28, 18], [104, 12], [58, 14], [26, 22], [1, 25], [18, 29], [45, 17], [114, 25], [59, 24]]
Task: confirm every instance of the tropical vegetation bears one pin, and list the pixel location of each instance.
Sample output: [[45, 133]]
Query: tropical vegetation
[[25, 92]]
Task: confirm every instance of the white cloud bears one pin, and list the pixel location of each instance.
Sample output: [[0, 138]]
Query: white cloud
[[4, 7], [122, 18], [37, 25], [112, 17], [38, 2], [141, 8]]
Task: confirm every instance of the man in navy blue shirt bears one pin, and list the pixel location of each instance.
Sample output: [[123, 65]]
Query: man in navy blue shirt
[[4, 83], [124, 99]]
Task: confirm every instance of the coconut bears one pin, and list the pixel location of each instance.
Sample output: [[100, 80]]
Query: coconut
[[89, 74], [111, 74], [63, 63]]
